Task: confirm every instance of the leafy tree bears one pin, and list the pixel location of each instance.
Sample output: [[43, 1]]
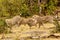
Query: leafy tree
[[51, 6]]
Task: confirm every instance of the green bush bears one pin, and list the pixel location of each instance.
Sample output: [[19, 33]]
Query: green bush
[[51, 6], [3, 26], [57, 25]]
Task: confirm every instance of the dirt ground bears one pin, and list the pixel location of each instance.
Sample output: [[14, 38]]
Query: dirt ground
[[21, 33]]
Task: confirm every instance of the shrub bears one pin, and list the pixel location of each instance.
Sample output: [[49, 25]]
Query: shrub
[[3, 26], [57, 25]]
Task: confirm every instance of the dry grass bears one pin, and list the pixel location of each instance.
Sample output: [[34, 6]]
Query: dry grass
[[18, 32]]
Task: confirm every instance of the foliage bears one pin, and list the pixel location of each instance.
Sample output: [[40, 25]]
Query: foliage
[[51, 6], [3, 26], [57, 24], [10, 8]]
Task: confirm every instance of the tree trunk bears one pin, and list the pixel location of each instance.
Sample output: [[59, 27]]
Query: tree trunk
[[40, 9], [31, 4]]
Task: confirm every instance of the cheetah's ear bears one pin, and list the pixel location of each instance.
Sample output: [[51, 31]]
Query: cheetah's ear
[[20, 14], [6, 20]]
